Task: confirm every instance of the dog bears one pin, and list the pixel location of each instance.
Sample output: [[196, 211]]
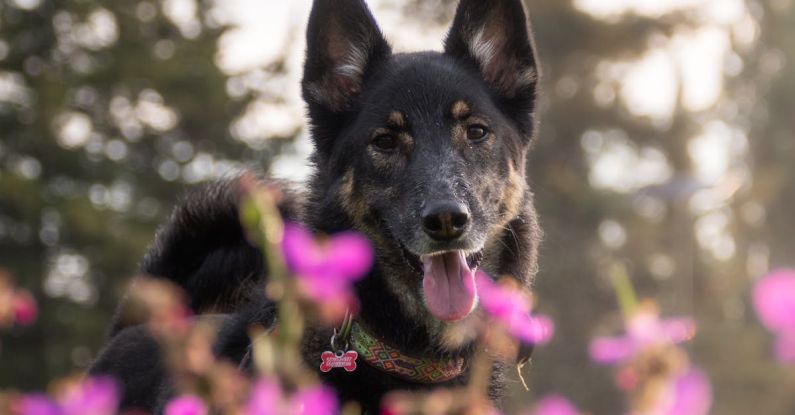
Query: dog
[[423, 153]]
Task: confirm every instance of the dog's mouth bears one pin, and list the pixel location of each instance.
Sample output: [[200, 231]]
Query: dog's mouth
[[448, 282]]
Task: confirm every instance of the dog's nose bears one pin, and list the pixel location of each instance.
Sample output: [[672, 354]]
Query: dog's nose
[[445, 221]]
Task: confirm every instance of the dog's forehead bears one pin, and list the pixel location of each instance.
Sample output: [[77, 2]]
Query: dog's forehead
[[427, 84]]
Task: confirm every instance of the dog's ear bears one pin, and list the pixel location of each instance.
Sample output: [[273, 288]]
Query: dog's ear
[[343, 42], [495, 36]]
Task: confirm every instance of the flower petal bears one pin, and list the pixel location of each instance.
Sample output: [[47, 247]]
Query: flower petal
[[37, 404], [25, 311], [533, 329], [350, 255], [500, 302], [611, 350], [299, 248], [315, 401], [95, 396], [692, 394], [785, 347], [555, 405], [266, 398], [678, 330], [774, 300], [186, 405], [510, 308]]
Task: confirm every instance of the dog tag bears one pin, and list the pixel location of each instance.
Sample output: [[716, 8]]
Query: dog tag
[[345, 360]]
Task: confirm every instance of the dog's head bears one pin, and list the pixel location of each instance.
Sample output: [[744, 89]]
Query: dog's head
[[424, 152]]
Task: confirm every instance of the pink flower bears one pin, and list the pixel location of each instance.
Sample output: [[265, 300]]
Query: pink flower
[[774, 301], [555, 405], [267, 398], [687, 394], [510, 308], [94, 396], [318, 400], [37, 404], [25, 311], [186, 405], [327, 268], [785, 347], [644, 330]]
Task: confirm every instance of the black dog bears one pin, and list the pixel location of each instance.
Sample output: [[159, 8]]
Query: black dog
[[424, 153]]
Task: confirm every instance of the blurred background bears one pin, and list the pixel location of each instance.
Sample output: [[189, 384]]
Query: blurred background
[[667, 144]]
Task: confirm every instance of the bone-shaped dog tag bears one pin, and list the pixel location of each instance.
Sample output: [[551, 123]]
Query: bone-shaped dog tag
[[345, 360]]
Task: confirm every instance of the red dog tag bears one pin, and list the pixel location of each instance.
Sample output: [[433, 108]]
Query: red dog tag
[[345, 360]]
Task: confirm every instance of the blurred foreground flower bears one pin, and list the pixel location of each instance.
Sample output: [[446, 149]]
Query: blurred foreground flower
[[511, 308], [186, 405], [317, 400], [653, 371], [267, 398], [25, 310], [161, 305], [447, 401], [555, 405], [774, 301], [17, 306], [645, 331], [326, 268], [687, 394], [93, 396]]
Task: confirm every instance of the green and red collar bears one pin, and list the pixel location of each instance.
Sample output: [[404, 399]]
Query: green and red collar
[[391, 360], [381, 356]]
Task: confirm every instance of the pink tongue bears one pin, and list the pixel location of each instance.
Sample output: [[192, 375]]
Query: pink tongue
[[449, 286]]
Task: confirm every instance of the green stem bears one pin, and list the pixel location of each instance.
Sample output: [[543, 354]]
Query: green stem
[[625, 292], [289, 315]]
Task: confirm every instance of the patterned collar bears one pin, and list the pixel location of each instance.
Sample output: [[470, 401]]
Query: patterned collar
[[391, 360]]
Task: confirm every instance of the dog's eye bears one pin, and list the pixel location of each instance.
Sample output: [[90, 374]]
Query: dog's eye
[[386, 142], [477, 133]]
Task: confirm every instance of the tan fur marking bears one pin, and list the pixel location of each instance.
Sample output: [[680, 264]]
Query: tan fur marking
[[397, 120], [354, 206], [513, 193], [460, 110], [346, 188]]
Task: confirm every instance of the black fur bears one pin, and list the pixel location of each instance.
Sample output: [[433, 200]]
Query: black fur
[[357, 91]]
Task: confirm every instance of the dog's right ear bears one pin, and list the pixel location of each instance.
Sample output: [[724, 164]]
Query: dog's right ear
[[494, 37], [343, 42]]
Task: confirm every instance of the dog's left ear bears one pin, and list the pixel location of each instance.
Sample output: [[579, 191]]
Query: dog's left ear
[[343, 43], [495, 37]]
